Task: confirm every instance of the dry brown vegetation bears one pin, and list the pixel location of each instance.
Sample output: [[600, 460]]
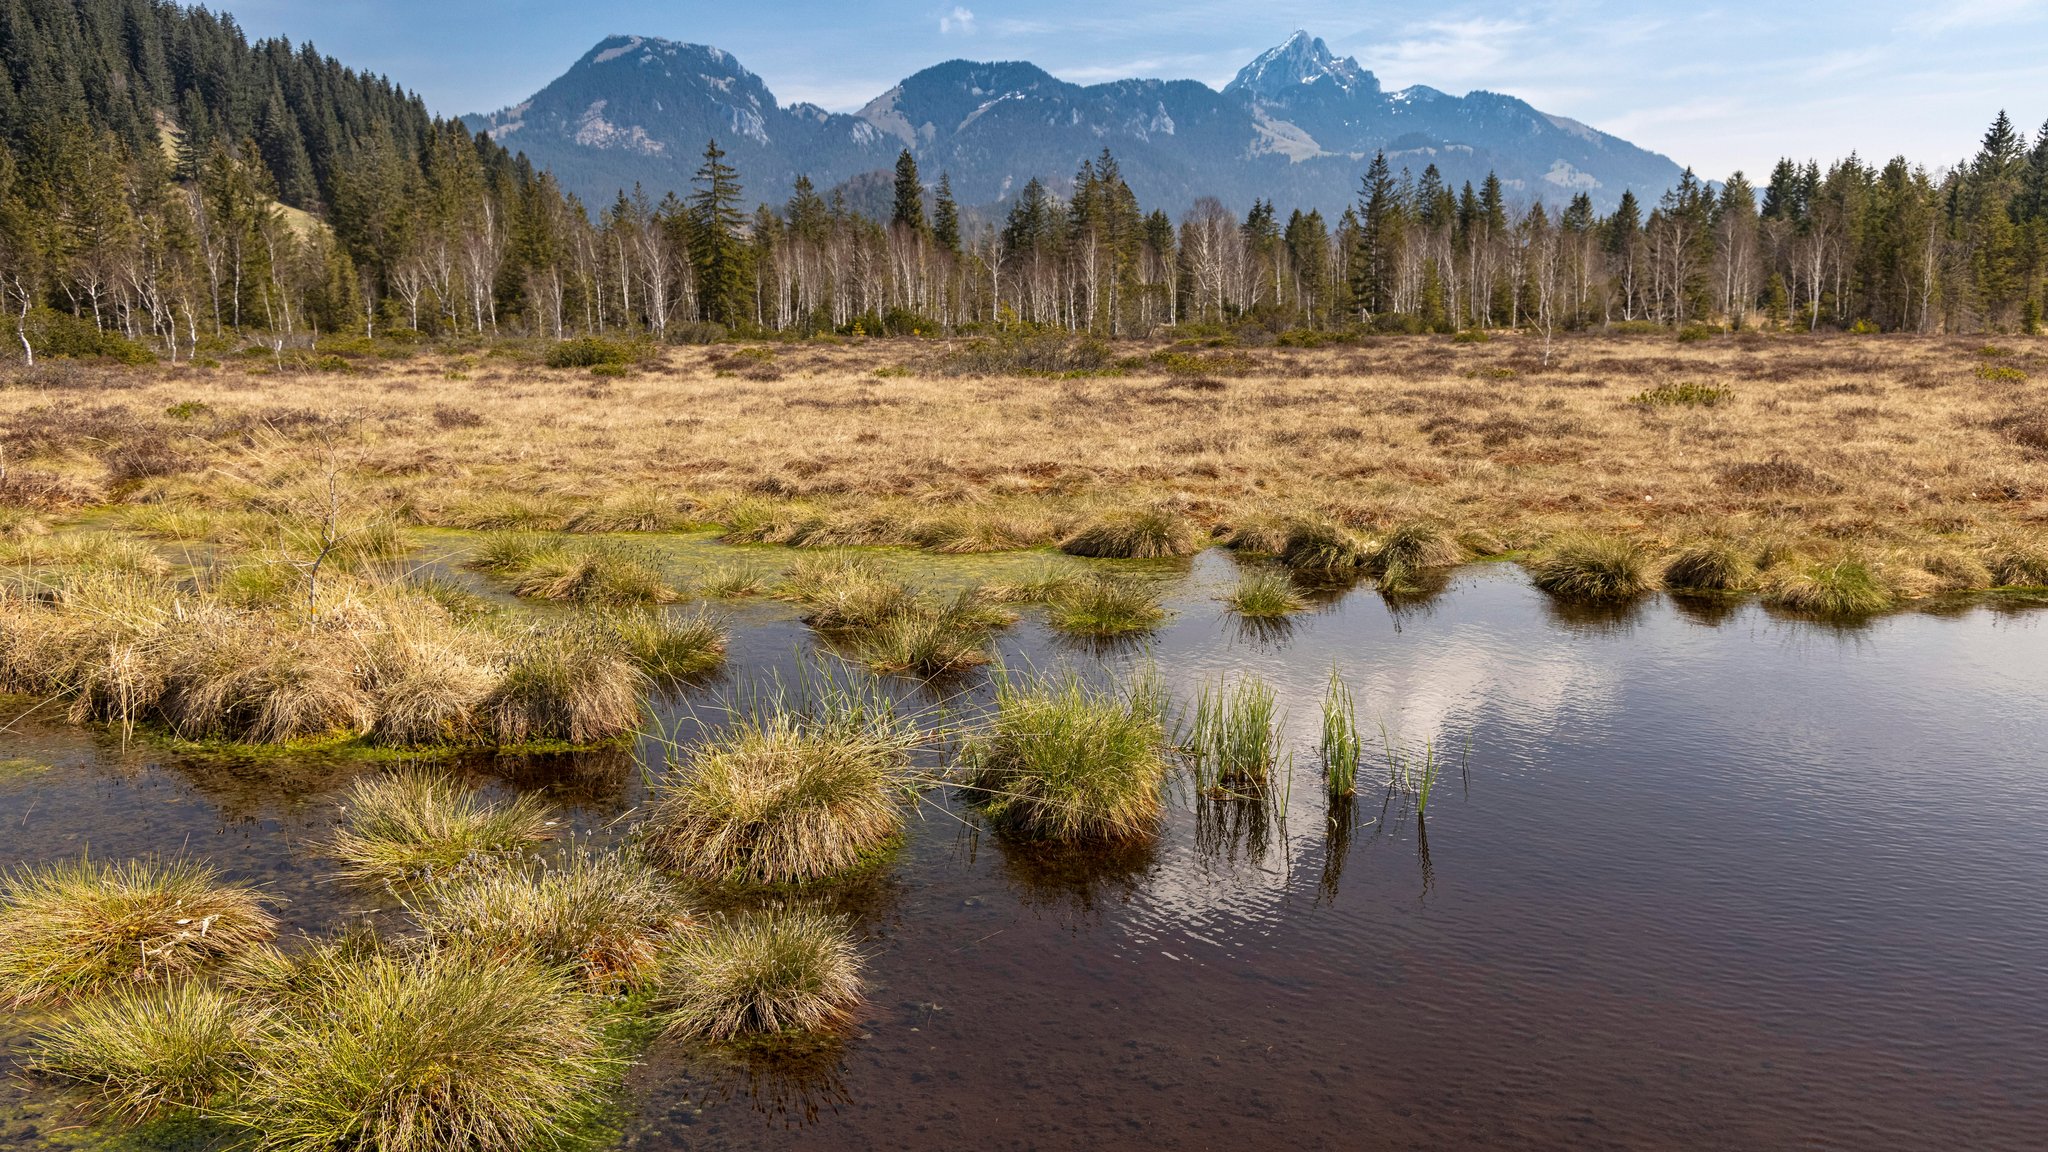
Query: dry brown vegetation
[[1807, 444]]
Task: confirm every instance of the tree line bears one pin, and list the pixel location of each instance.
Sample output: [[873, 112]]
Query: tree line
[[165, 183]]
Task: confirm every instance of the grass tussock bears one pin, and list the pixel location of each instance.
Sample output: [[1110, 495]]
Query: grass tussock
[[1145, 533], [1264, 594], [81, 928], [1710, 566], [438, 1049], [1106, 606], [2018, 562], [782, 799], [1342, 750], [1844, 587], [1592, 568], [574, 684], [670, 647], [141, 1055], [762, 975], [1324, 548], [1064, 761], [1232, 740], [416, 825], [604, 916], [590, 574], [1411, 549]]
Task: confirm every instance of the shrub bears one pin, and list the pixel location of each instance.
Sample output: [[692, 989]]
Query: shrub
[[1106, 606], [415, 825], [1063, 761], [442, 1049], [761, 975], [590, 352], [80, 928], [1026, 355], [781, 800], [1263, 594], [605, 917], [1709, 566], [142, 1054], [1134, 534], [1592, 568], [572, 683]]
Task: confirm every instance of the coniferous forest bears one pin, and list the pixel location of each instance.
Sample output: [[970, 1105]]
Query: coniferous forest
[[165, 183]]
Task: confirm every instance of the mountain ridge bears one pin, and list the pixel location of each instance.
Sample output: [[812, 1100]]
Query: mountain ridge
[[1296, 126]]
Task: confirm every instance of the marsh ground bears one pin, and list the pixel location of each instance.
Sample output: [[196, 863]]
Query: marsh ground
[[1813, 441]]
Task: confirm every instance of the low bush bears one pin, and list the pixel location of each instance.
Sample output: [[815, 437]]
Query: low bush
[[590, 352]]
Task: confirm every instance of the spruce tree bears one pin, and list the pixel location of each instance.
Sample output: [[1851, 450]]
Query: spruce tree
[[946, 216], [909, 210], [716, 249]]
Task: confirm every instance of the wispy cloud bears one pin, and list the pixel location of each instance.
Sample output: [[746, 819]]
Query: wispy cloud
[[958, 22], [1977, 14]]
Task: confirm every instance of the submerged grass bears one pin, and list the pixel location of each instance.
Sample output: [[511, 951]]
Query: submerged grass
[[1341, 748], [1064, 761], [416, 825], [761, 975], [81, 928]]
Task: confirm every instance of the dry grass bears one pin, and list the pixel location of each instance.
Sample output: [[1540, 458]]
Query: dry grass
[[1880, 442]]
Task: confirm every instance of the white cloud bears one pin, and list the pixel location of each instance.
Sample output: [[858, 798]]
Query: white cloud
[[957, 22]]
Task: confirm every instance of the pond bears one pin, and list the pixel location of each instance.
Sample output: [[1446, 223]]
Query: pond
[[1692, 876]]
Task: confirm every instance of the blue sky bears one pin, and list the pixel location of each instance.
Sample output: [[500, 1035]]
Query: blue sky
[[1717, 86]]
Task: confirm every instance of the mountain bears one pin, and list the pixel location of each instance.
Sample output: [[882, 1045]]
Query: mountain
[[1297, 126]]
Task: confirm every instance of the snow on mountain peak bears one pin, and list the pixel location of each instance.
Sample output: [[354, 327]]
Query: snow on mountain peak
[[1302, 60]]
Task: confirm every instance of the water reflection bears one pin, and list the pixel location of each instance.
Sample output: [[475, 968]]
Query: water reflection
[[1079, 880], [1707, 611], [1596, 617]]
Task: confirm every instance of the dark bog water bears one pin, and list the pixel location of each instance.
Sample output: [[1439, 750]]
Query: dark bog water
[[1703, 879]]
